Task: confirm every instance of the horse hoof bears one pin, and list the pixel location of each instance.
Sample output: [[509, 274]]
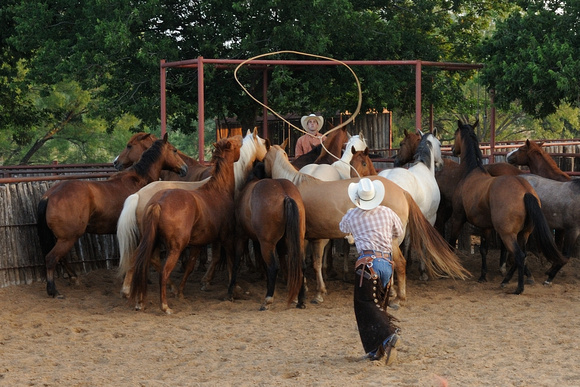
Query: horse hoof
[[394, 305], [168, 311], [482, 280], [60, 296], [503, 284], [530, 281], [264, 307], [424, 277], [317, 300], [300, 305], [547, 283]]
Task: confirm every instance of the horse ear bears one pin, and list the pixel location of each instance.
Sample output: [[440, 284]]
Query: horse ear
[[353, 150], [475, 124], [367, 151], [541, 144], [405, 132], [434, 132], [284, 144], [165, 137], [459, 123], [420, 132], [267, 144]]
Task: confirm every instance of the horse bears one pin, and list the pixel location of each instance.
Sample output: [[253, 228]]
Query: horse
[[361, 164], [507, 204], [140, 142], [252, 148], [340, 169], [74, 207], [271, 212], [540, 163], [326, 154], [326, 202], [177, 218]]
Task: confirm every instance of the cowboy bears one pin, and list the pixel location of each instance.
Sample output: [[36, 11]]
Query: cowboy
[[312, 124], [373, 228]]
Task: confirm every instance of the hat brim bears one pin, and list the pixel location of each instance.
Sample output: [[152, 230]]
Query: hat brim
[[367, 204], [304, 121]]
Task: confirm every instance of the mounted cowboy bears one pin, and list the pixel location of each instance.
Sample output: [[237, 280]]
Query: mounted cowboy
[[373, 228]]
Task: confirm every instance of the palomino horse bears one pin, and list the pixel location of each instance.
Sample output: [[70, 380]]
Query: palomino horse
[[539, 162], [327, 154], [271, 212], [505, 203], [71, 208], [140, 142], [326, 202], [340, 169], [177, 218], [128, 230]]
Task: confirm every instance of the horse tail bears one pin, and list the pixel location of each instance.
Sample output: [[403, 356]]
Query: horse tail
[[542, 231], [127, 233], [144, 251], [45, 234], [432, 248], [295, 247]]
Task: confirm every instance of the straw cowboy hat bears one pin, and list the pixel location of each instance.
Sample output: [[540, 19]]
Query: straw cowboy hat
[[304, 121], [366, 194]]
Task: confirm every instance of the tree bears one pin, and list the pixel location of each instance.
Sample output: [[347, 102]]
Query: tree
[[533, 57]]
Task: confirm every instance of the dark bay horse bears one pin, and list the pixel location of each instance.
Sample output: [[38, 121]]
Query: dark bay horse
[[177, 218], [327, 154], [140, 142], [506, 204], [326, 202], [74, 207], [540, 163], [271, 212]]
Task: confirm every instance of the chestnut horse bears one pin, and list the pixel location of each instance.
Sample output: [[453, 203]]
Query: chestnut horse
[[140, 142], [326, 202], [177, 218], [271, 212], [252, 148], [362, 164], [539, 162], [74, 207], [505, 203]]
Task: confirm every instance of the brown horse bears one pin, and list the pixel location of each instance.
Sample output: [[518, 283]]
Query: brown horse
[[178, 218], [71, 208], [252, 148], [326, 202], [539, 162], [140, 142], [362, 164], [505, 203], [327, 154], [271, 212]]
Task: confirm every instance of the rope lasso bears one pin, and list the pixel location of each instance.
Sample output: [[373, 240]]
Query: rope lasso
[[356, 112]]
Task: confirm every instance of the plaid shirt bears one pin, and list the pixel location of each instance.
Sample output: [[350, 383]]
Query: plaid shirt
[[372, 229]]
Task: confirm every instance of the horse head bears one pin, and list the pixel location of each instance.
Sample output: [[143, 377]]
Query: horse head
[[136, 146], [407, 148]]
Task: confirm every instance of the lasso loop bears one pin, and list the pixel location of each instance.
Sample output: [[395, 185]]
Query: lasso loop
[[286, 121]]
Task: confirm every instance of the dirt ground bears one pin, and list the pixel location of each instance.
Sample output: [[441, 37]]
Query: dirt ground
[[456, 333]]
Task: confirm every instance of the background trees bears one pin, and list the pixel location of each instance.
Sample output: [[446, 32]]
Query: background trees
[[74, 73]]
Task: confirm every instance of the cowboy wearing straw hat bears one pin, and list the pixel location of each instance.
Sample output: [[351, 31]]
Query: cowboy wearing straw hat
[[373, 228], [312, 124]]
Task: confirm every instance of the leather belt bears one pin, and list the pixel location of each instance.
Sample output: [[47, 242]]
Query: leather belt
[[376, 253]]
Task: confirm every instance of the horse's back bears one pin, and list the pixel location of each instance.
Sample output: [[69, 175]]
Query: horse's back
[[323, 172]]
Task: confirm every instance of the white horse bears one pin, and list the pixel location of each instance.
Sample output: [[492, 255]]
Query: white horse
[[128, 227], [340, 169], [419, 180]]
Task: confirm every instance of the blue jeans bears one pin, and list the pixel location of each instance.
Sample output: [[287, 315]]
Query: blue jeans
[[384, 270]]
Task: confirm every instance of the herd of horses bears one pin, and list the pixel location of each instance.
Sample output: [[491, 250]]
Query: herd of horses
[[165, 206]]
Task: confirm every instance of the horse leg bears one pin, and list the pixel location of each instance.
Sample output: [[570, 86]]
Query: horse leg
[[170, 262], [328, 260], [502, 258], [60, 249], [519, 264], [317, 253], [215, 258], [345, 262], [400, 273], [269, 251], [203, 259], [194, 253], [483, 249]]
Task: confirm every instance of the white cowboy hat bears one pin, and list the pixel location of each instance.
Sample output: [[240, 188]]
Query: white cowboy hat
[[304, 121], [366, 194]]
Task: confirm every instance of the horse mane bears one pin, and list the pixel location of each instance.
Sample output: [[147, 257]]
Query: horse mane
[[472, 156], [219, 162], [285, 170], [148, 158], [537, 149], [424, 150]]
